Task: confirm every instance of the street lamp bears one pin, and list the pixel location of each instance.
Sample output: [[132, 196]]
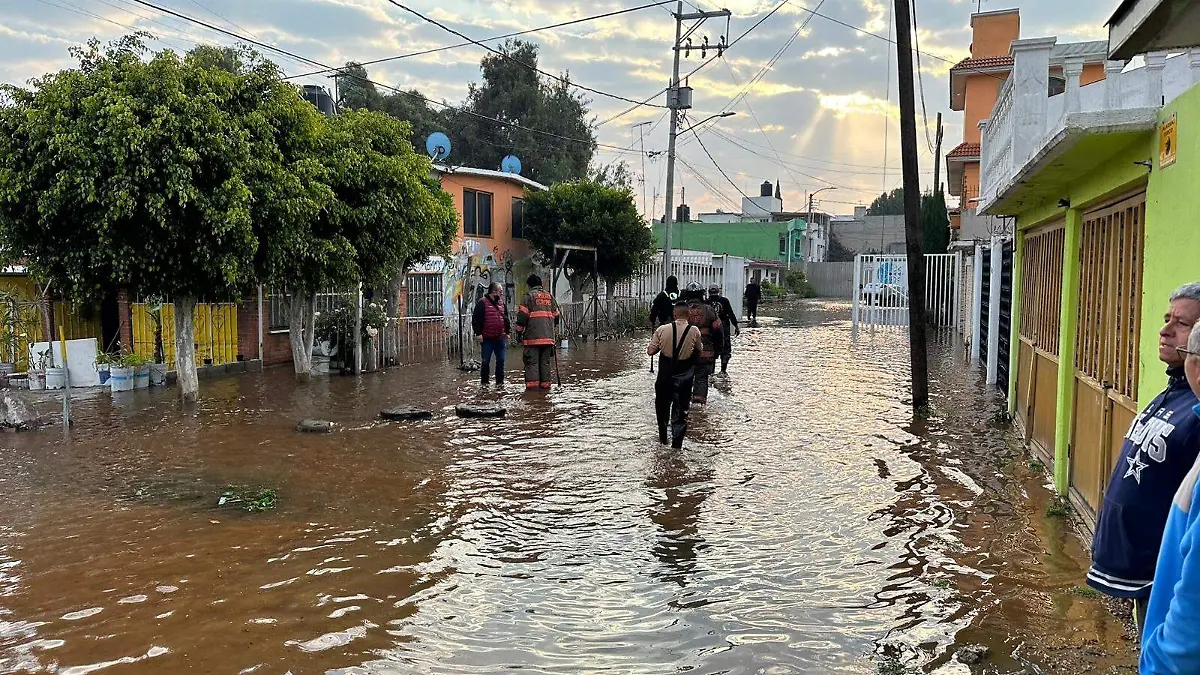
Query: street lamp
[[727, 113], [808, 223]]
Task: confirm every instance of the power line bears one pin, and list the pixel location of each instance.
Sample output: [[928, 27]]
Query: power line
[[509, 57], [221, 16], [318, 64], [766, 68], [552, 26], [706, 183], [921, 80], [718, 166], [696, 69]]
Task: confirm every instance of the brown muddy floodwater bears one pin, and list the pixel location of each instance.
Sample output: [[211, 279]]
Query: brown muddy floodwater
[[807, 527]]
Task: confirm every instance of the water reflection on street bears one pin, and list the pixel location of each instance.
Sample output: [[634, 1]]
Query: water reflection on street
[[808, 526]]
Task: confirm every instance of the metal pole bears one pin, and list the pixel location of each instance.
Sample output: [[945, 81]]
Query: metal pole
[[62, 338], [673, 103], [358, 332], [260, 325]]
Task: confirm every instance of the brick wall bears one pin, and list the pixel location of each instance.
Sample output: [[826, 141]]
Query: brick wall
[[277, 350], [125, 312]]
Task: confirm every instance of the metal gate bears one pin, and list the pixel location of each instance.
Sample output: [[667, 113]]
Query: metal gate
[[881, 290], [1106, 343], [1037, 351], [1004, 338]]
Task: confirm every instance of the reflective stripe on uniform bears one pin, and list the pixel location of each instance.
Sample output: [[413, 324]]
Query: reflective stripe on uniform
[[539, 342]]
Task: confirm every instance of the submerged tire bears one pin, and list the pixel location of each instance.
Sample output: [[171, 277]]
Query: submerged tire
[[314, 426], [404, 413], [469, 411]]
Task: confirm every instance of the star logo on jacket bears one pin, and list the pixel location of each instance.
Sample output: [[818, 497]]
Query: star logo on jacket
[[1135, 466]]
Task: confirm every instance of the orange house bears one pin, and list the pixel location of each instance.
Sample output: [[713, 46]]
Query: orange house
[[975, 85], [490, 246]]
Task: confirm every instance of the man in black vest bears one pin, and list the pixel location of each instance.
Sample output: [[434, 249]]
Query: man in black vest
[[678, 345], [725, 313]]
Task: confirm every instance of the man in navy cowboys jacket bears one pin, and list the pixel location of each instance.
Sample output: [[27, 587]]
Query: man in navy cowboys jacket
[[1159, 450]]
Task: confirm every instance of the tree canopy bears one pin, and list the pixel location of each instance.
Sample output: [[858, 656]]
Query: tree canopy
[[198, 177], [586, 213], [511, 91], [888, 204], [935, 223]]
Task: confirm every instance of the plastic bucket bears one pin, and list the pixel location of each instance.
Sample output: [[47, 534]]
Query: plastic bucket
[[36, 380], [103, 371], [120, 378], [158, 374], [141, 377], [56, 378]]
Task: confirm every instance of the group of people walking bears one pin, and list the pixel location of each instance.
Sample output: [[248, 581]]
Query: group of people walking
[[691, 332]]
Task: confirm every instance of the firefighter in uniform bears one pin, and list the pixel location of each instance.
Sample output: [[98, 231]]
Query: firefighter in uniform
[[537, 320], [702, 316], [678, 345]]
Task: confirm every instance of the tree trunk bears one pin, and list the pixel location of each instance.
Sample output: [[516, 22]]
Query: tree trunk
[[185, 348], [578, 286], [302, 322]]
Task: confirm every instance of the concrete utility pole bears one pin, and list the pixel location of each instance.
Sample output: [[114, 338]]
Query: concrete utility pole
[[809, 223], [912, 209], [680, 98]]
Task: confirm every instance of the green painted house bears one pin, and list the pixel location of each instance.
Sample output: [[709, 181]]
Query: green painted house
[[751, 240]]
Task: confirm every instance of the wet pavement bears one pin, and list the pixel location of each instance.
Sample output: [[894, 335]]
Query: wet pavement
[[810, 525]]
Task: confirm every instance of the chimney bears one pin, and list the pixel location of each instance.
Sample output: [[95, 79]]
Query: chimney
[[764, 190]]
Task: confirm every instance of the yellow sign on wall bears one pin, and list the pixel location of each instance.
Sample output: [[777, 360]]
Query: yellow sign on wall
[[1167, 141]]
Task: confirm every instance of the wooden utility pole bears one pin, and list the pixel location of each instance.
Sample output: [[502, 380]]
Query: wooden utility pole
[[912, 209], [937, 158]]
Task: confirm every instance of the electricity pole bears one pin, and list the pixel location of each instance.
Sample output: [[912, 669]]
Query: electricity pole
[[642, 148], [912, 209], [680, 98]]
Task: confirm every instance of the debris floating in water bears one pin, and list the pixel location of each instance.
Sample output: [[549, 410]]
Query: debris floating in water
[[404, 413], [468, 410], [315, 426]]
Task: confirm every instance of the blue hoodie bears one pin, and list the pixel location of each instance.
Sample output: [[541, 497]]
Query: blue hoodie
[[1159, 450], [1171, 639]]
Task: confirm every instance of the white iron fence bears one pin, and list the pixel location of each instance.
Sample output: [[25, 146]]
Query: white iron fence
[[881, 290], [702, 267]]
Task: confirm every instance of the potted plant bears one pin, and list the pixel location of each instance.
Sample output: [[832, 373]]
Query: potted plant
[[36, 374], [121, 372], [56, 376], [157, 372], [10, 331], [324, 342], [141, 371], [104, 362]]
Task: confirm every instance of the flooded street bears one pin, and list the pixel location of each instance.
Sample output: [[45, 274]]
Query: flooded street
[[808, 526]]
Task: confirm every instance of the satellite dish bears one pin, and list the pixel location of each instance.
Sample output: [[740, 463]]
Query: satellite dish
[[511, 164], [437, 146]]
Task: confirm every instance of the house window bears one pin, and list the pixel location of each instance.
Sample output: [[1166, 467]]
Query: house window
[[518, 218], [477, 213], [424, 295], [782, 244]]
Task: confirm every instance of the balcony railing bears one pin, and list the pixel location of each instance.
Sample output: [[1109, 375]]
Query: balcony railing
[[1026, 118]]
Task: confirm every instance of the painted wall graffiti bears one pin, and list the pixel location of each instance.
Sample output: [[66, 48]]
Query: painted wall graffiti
[[475, 266]]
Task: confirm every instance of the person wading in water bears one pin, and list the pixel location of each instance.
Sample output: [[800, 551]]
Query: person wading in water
[[491, 325], [678, 344], [702, 316], [662, 309], [537, 320], [729, 324], [753, 295]]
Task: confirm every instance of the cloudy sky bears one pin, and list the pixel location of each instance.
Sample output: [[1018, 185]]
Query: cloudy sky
[[818, 117]]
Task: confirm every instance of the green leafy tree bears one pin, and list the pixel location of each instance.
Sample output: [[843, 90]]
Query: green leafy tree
[[513, 92], [356, 91], [935, 223], [145, 173], [384, 212], [614, 174], [586, 213], [888, 204]]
